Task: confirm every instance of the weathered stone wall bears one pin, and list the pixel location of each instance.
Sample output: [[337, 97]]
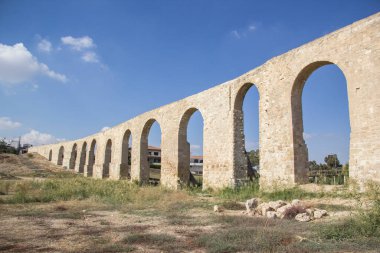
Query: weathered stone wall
[[355, 49]]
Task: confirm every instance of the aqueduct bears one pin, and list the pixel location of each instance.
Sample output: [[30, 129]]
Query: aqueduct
[[355, 49]]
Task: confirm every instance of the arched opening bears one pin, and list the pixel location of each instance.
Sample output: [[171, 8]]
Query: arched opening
[[126, 151], [82, 160], [91, 158], [60, 155], [50, 155], [151, 152], [321, 125], [190, 148], [246, 111], [73, 157], [107, 159]]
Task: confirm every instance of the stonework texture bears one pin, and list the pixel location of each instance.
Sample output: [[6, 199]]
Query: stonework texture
[[355, 49]]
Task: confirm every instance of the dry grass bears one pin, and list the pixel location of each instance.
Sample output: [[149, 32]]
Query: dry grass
[[66, 213]]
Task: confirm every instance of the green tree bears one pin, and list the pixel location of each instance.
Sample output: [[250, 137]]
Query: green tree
[[346, 169], [5, 148], [313, 165], [332, 161], [254, 157]]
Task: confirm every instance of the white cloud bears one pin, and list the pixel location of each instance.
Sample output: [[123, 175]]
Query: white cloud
[[36, 138], [252, 28], [7, 123], [90, 57], [240, 33], [45, 46], [307, 136], [18, 65], [78, 44], [236, 34], [104, 128]]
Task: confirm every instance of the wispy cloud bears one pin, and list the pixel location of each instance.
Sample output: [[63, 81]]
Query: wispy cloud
[[84, 45], [18, 65], [236, 34], [105, 128], [90, 57], [244, 32], [78, 44], [308, 136], [45, 46], [7, 123]]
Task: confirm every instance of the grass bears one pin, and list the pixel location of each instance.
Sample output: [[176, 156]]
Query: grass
[[365, 224], [247, 239], [116, 193], [163, 242], [178, 208], [253, 190]]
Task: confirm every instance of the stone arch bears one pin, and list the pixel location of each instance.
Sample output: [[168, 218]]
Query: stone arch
[[144, 163], [60, 155], [91, 158], [50, 155], [126, 151], [73, 156], [301, 156], [241, 161], [184, 146], [82, 160], [107, 159]]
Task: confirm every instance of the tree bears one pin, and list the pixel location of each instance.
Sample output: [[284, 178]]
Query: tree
[[6, 148], [346, 169], [313, 165], [254, 157], [332, 161]]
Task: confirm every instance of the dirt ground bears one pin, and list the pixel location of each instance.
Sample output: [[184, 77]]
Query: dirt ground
[[92, 226]]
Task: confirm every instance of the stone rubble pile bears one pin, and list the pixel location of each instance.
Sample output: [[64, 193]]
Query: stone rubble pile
[[283, 210]]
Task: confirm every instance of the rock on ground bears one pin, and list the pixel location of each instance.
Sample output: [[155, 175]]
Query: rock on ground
[[303, 217], [251, 204]]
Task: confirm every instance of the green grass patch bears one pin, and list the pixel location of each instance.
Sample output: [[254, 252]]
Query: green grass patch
[[364, 224], [114, 193]]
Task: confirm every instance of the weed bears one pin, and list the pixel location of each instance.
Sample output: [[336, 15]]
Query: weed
[[4, 187], [365, 224]]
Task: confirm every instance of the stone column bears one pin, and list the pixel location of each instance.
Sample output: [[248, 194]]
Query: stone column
[[140, 165], [78, 158], [66, 159]]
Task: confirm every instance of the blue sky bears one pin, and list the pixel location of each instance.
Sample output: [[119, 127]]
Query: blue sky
[[70, 68]]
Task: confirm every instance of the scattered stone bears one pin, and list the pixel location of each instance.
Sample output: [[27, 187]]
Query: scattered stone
[[282, 210], [318, 213], [276, 204], [302, 217], [263, 209], [251, 204], [218, 209], [295, 202], [271, 214], [310, 212]]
